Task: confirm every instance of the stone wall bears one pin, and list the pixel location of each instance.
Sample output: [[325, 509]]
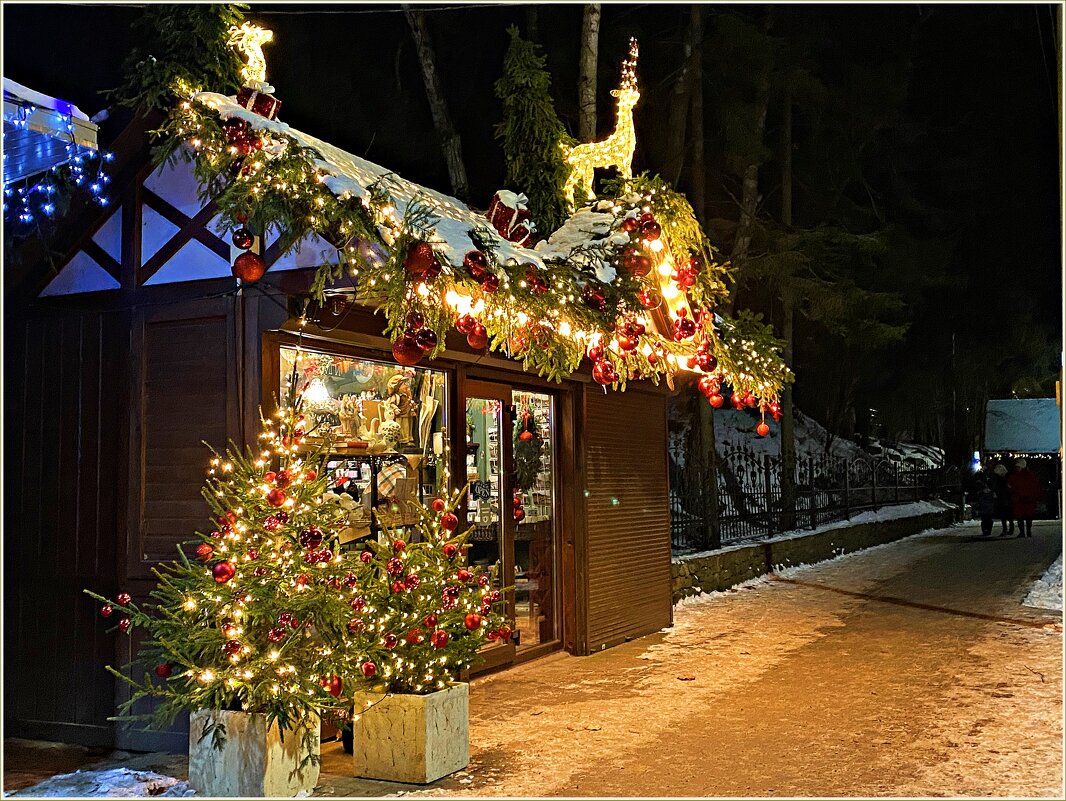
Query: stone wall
[[723, 569]]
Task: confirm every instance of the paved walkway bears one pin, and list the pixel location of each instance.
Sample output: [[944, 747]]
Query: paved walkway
[[950, 687], [911, 669]]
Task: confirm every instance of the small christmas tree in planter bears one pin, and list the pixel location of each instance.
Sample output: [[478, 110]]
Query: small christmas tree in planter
[[245, 634], [420, 615]]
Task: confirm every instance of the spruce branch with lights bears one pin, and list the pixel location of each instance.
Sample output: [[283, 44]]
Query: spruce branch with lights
[[253, 619]]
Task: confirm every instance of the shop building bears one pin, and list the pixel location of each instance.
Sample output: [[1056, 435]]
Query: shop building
[[141, 346]]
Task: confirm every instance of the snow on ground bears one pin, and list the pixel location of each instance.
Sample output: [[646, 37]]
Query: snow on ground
[[1046, 592], [109, 783]]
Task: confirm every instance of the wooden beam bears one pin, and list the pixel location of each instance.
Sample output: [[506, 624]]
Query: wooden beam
[[177, 242]]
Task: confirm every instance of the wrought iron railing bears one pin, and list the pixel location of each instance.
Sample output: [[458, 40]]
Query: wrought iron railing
[[749, 503]]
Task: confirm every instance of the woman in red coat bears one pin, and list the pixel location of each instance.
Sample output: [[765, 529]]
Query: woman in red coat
[[1025, 490]]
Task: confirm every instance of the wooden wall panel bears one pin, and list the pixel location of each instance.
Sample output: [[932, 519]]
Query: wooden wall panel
[[627, 516], [60, 521]]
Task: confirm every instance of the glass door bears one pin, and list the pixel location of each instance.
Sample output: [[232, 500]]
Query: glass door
[[511, 469], [488, 465]]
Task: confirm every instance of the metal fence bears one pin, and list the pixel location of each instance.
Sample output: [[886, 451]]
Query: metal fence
[[749, 502]]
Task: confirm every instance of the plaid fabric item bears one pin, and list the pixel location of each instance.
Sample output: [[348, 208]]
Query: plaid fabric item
[[388, 478]]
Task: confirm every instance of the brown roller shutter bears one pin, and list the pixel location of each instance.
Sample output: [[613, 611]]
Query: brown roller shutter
[[627, 516]]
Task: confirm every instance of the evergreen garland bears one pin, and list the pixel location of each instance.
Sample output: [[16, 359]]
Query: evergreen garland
[[531, 133]]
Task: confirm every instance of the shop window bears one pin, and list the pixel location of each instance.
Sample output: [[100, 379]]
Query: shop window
[[386, 425]]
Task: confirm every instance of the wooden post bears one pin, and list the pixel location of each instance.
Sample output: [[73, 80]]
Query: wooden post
[[586, 82]]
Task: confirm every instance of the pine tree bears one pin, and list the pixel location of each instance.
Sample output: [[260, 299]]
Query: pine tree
[[187, 44], [254, 620], [531, 133]]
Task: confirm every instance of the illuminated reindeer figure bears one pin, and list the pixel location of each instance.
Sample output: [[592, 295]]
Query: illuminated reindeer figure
[[249, 40], [614, 151]]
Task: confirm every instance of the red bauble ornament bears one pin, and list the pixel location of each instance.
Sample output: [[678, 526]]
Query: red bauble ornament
[[311, 537], [389, 640], [368, 669], [593, 297], [412, 581], [706, 362], [505, 633], [464, 575], [595, 353], [429, 621], [259, 571], [395, 566], [636, 263], [398, 545], [231, 648], [355, 626], [603, 373], [242, 238], [414, 637], [646, 216], [472, 621], [419, 259], [465, 324], [284, 478], [107, 611], [366, 557], [358, 604], [124, 598], [310, 475], [450, 549], [397, 587], [695, 264], [223, 571], [525, 436], [277, 634], [335, 686], [476, 264], [449, 522], [478, 338], [426, 339], [439, 639], [124, 624], [204, 551], [415, 320], [519, 514], [438, 505], [708, 385], [163, 671], [490, 283], [762, 429], [248, 267], [627, 343], [650, 298], [684, 328], [483, 580], [406, 351], [716, 401], [630, 224], [651, 230], [269, 476], [276, 497]]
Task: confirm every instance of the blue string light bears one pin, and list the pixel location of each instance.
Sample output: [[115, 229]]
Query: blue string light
[[82, 167]]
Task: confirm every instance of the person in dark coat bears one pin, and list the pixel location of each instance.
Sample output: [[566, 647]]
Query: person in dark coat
[[1025, 491], [984, 503], [1003, 510]]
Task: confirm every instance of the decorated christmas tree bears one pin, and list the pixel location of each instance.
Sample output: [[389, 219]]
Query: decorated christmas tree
[[418, 613], [251, 614]]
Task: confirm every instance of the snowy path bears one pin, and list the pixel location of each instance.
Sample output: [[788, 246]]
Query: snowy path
[[949, 686]]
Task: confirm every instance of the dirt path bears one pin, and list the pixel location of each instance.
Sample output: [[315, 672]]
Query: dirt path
[[907, 670]]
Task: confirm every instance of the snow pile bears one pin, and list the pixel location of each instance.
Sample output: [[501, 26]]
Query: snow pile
[[733, 429], [1046, 592], [108, 783], [909, 454]]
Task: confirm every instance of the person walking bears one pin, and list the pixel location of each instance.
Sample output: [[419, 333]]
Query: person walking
[[1025, 490], [1003, 510], [984, 503]]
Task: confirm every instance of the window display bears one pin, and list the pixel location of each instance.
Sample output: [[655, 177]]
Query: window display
[[388, 431]]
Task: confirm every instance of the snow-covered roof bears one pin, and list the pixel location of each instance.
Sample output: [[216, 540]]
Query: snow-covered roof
[[1023, 426], [350, 175], [41, 132]]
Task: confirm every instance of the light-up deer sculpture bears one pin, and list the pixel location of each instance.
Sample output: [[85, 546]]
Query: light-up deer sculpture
[[249, 40], [614, 151]]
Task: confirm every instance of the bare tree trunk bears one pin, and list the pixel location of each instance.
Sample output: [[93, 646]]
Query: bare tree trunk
[[586, 82], [697, 172], [442, 121], [749, 197], [676, 119], [788, 431], [532, 27]]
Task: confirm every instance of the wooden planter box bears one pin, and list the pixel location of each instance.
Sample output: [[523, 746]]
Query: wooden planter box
[[255, 761], [415, 739]]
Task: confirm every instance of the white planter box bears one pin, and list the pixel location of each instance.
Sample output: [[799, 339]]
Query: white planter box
[[415, 739], [254, 761]]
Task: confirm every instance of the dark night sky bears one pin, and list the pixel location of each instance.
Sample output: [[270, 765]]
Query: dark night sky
[[983, 88]]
